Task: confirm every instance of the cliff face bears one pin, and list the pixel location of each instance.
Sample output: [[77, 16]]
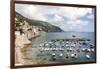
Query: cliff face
[[23, 32], [26, 29], [45, 26]]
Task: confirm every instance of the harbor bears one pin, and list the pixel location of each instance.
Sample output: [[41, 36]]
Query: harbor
[[64, 50], [55, 35], [55, 48]]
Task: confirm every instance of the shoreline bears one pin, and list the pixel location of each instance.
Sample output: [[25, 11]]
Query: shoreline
[[22, 44]]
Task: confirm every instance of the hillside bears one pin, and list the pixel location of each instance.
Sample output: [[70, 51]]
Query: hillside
[[45, 26]]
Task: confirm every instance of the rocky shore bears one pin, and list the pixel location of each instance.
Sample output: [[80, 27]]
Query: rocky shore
[[29, 32], [24, 32], [22, 44]]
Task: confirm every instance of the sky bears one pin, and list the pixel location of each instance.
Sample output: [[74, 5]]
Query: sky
[[67, 18]]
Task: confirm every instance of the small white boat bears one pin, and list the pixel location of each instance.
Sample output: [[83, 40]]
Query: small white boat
[[46, 44], [61, 55], [61, 49], [88, 50], [54, 48], [67, 42], [66, 45], [41, 45], [50, 42], [53, 54], [63, 42], [73, 45], [83, 49], [73, 55], [88, 56], [70, 49], [92, 50]]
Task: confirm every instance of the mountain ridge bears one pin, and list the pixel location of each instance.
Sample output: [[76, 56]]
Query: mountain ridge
[[45, 26]]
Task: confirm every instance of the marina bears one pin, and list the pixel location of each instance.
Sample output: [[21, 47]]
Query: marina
[[59, 34], [65, 50]]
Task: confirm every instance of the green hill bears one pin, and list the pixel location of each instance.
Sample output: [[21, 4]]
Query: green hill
[[45, 26]]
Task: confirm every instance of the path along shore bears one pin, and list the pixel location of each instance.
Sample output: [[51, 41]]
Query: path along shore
[[22, 44]]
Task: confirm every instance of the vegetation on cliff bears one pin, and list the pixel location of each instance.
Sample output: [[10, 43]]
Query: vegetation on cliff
[[45, 26]]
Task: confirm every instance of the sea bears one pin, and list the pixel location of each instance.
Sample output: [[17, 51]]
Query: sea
[[67, 35]]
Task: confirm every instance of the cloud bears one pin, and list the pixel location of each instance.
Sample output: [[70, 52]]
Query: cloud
[[72, 12], [76, 25], [57, 18], [33, 11], [91, 16], [30, 11], [25, 10], [67, 18]]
